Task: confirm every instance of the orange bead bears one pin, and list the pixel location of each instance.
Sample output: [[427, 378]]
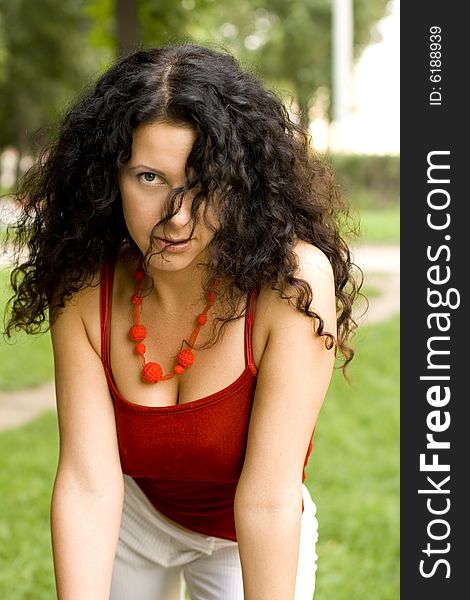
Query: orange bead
[[138, 333], [186, 358], [179, 369], [140, 348], [139, 274], [202, 319], [136, 299], [152, 373]]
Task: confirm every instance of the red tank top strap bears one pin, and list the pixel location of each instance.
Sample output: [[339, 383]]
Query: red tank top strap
[[249, 319], [106, 294]]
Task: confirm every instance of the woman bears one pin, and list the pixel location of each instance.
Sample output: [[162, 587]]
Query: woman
[[184, 241]]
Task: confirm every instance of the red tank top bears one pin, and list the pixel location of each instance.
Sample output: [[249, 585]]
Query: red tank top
[[186, 458]]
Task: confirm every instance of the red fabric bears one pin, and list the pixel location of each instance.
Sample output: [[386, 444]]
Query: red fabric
[[187, 458]]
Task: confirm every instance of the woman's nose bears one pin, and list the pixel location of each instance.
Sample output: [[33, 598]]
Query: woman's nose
[[182, 215]]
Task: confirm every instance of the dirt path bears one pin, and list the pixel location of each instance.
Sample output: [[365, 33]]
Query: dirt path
[[19, 407], [381, 265]]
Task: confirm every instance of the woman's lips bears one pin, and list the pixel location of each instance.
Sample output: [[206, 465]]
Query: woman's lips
[[173, 247]]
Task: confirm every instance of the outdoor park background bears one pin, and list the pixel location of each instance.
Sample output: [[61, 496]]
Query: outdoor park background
[[48, 51]]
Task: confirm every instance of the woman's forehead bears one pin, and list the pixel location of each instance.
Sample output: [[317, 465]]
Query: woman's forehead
[[162, 147]]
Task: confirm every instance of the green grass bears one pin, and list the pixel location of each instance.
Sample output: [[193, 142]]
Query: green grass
[[25, 361], [28, 457], [372, 226], [380, 226], [353, 476], [370, 291]]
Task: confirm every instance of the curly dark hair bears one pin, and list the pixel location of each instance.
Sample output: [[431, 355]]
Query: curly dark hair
[[250, 162]]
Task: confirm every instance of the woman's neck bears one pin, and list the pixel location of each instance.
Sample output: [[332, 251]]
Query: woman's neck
[[176, 291]]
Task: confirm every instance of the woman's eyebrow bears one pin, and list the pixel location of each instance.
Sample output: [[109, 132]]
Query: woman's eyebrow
[[135, 167]]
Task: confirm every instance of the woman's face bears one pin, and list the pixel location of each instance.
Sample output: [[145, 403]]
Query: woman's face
[[156, 167]]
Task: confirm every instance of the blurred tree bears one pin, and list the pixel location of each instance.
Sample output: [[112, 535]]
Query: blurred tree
[[102, 34], [169, 21], [44, 61], [125, 25], [289, 41], [128, 30], [49, 49]]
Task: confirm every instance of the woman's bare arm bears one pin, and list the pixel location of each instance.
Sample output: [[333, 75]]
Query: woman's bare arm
[[293, 378], [88, 490]]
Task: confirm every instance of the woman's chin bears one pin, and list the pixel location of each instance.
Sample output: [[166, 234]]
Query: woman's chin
[[175, 261]]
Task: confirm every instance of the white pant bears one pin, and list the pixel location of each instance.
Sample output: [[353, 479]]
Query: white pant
[[156, 558]]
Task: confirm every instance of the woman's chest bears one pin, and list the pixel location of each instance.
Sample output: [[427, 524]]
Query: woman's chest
[[214, 368]]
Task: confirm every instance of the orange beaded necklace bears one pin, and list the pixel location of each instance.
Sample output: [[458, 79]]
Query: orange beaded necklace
[[152, 372]]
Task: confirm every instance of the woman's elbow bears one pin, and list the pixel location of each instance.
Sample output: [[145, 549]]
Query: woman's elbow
[[265, 498]]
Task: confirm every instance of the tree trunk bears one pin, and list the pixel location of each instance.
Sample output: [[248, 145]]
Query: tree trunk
[[128, 30]]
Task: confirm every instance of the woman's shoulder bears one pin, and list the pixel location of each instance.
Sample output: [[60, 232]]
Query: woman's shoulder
[[87, 297], [311, 259], [313, 267], [79, 311]]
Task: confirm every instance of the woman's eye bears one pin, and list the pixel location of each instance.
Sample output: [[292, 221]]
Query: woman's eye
[[151, 178]]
